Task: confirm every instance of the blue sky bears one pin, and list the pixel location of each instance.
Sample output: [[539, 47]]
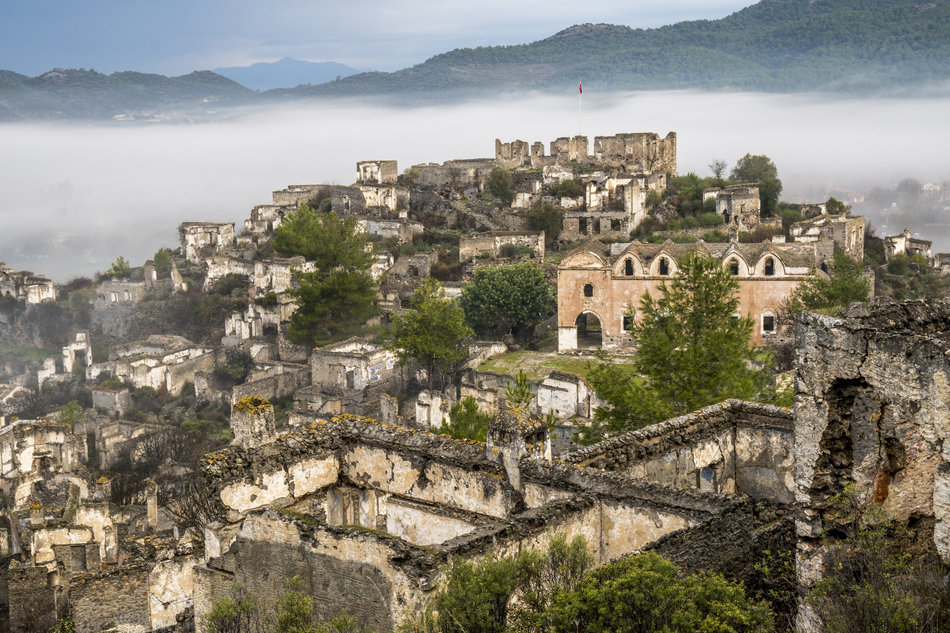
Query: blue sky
[[177, 36]]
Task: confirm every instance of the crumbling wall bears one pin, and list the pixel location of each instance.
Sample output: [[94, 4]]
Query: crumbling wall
[[873, 389], [732, 447], [170, 590], [476, 246], [110, 600]]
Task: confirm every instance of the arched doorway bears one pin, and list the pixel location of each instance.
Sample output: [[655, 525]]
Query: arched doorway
[[589, 331]]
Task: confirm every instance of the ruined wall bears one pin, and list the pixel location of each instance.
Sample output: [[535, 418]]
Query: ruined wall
[[35, 603], [478, 245], [731, 543], [873, 390], [288, 379], [347, 572], [732, 447], [170, 590], [117, 598]]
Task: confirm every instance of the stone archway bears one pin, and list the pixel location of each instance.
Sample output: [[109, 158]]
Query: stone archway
[[589, 331]]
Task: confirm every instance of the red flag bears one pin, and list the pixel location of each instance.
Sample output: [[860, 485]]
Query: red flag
[[580, 88]]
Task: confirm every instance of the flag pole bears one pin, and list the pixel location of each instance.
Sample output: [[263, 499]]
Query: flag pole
[[580, 105]]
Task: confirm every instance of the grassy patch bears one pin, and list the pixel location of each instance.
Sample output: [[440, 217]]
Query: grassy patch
[[538, 365], [25, 353]]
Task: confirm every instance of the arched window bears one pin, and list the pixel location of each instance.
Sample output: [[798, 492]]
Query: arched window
[[769, 267], [664, 266], [734, 266], [628, 268], [588, 290]]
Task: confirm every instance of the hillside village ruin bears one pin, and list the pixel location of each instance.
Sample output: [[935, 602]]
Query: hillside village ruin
[[358, 494]]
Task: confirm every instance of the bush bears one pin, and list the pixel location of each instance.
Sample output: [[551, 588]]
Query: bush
[[467, 422], [569, 188], [548, 218], [715, 236], [690, 222], [267, 300], [513, 251], [501, 185], [643, 593], [710, 219]]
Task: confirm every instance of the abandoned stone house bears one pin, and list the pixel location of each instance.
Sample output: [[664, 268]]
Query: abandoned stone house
[[303, 503], [634, 153], [830, 234], [739, 205], [905, 244], [162, 362], [492, 245], [377, 172], [346, 377], [200, 238], [599, 286], [25, 286]]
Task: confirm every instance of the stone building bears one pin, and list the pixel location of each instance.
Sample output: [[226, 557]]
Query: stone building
[[348, 376], [599, 286], [905, 244], [492, 244], [25, 286], [199, 239], [376, 172], [369, 514], [641, 152], [739, 205], [830, 234]]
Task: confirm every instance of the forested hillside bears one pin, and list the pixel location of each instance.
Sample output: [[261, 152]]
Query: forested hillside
[[775, 45], [893, 47]]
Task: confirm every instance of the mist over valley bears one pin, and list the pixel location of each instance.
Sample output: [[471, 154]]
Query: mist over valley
[[75, 196]]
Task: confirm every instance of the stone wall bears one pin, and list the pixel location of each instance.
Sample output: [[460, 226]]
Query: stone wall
[[35, 602], [732, 447], [476, 246], [117, 598], [871, 412], [283, 381]]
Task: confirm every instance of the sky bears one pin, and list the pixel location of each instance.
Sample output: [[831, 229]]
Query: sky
[[175, 37]]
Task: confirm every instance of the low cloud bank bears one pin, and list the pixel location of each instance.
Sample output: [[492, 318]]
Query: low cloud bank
[[74, 197]]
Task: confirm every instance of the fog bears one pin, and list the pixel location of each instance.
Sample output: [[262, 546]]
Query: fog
[[74, 197]]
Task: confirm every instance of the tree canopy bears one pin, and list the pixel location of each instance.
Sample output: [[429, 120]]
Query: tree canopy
[[507, 300], [845, 285], [760, 169], [326, 239], [120, 269], [693, 351], [501, 185], [336, 300], [432, 332]]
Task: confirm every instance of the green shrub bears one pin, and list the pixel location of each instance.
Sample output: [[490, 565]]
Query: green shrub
[[569, 188], [710, 219], [467, 422]]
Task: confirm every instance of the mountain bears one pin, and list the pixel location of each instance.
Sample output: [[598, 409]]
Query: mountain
[[66, 94], [847, 46], [774, 45], [286, 73]]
